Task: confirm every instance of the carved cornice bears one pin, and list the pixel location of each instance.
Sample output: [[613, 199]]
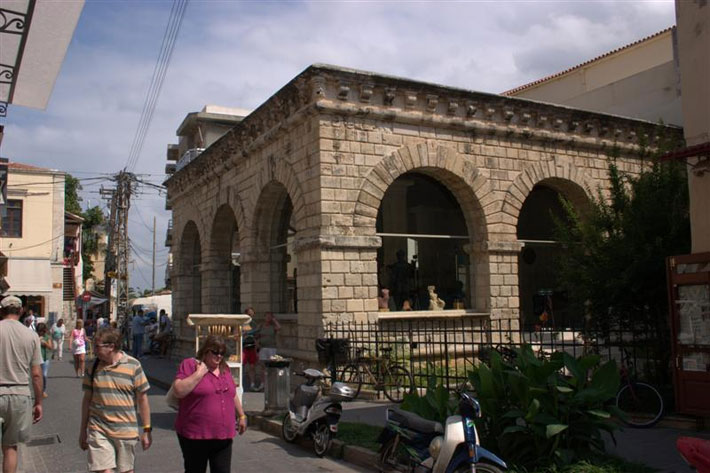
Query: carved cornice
[[340, 91]]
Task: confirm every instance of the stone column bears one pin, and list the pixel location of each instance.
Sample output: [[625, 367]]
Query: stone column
[[504, 298]]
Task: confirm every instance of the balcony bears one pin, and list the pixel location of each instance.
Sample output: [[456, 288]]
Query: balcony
[[189, 156], [169, 234]]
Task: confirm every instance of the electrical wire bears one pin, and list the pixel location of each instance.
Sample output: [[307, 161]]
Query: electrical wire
[[177, 14]]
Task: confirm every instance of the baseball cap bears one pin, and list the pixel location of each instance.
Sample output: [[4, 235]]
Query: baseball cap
[[11, 301]]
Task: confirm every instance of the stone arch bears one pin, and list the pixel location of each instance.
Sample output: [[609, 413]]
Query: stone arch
[[562, 176], [221, 274], [282, 173], [539, 186], [274, 220], [470, 188], [188, 280]]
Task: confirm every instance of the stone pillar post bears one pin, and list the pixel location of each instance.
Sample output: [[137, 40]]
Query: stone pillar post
[[504, 298]]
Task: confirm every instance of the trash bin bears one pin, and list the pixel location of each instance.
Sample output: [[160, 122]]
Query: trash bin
[[278, 386]]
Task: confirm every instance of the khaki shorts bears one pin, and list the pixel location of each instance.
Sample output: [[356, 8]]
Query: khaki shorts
[[15, 419], [106, 453]]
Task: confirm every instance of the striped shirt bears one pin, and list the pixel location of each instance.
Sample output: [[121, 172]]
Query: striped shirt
[[112, 409]]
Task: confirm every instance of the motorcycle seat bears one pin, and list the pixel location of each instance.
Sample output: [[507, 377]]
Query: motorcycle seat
[[409, 420]]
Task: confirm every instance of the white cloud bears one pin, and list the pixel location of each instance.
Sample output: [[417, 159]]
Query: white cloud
[[240, 53]]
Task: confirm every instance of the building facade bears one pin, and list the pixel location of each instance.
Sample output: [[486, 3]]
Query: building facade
[[41, 241], [345, 183]]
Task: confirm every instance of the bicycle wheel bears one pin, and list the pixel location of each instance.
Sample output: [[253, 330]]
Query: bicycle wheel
[[641, 404], [393, 457], [397, 381], [351, 376]]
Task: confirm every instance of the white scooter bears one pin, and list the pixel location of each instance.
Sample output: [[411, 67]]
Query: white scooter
[[412, 444], [310, 412]]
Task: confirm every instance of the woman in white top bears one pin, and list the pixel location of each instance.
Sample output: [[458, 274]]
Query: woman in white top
[[58, 332], [77, 340]]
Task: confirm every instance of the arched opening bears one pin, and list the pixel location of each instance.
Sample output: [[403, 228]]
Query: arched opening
[[224, 262], [542, 302], [191, 269], [276, 237], [424, 243]]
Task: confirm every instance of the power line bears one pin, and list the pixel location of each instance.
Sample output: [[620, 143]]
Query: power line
[[161, 66]]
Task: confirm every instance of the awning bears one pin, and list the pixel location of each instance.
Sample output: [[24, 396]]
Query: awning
[[96, 299], [29, 277]]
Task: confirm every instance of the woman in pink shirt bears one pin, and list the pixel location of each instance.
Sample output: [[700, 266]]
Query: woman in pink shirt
[[210, 411]]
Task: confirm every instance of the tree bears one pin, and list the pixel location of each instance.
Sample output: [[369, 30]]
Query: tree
[[94, 220], [614, 264], [72, 186]]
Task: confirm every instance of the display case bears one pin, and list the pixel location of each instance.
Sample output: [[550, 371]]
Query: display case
[[229, 327]]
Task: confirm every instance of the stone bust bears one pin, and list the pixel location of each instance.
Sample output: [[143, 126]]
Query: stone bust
[[434, 302]]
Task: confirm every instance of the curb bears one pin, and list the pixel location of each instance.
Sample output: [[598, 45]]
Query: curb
[[349, 453]]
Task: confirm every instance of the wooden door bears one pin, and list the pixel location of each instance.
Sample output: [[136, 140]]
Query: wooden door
[[689, 300]]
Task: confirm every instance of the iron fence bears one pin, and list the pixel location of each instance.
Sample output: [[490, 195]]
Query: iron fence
[[451, 347]]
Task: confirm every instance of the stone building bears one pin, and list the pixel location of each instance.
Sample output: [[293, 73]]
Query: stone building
[[345, 182]]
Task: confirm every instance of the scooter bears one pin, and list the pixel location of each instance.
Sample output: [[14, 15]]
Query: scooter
[[696, 452], [411, 444], [312, 413]]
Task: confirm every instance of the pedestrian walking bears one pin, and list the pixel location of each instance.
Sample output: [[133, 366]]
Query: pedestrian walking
[[46, 347], [20, 362], [268, 332], [77, 341], [31, 320], [210, 411], [113, 389], [58, 330], [165, 332], [138, 329], [249, 353]]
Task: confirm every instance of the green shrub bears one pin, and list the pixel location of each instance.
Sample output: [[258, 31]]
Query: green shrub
[[437, 404], [533, 414]]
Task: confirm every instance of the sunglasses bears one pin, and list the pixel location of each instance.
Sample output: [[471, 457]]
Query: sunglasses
[[217, 353], [103, 345]]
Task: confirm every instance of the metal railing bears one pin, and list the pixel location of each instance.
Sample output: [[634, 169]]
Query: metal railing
[[188, 157], [451, 347]]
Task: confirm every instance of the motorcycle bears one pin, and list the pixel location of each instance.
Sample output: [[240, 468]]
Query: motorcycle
[[696, 452], [312, 413], [411, 444]]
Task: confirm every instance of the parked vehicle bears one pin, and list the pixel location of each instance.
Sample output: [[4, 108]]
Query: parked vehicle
[[641, 403], [313, 413], [696, 452], [411, 444]]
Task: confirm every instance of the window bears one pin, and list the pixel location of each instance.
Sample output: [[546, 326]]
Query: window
[[424, 237], [12, 220]]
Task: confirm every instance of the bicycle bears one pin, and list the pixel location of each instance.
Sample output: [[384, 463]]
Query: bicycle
[[640, 403], [386, 375]]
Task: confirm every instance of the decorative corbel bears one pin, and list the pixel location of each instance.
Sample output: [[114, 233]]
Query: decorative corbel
[[366, 90]]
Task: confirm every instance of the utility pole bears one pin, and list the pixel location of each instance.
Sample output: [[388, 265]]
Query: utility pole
[[153, 290], [110, 264], [123, 204], [118, 254]]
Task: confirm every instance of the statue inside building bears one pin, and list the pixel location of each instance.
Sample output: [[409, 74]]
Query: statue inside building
[[435, 303], [384, 301]]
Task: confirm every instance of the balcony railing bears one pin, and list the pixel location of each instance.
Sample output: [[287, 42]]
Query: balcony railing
[[188, 157]]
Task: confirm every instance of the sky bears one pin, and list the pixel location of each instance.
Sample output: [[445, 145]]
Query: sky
[[239, 53]]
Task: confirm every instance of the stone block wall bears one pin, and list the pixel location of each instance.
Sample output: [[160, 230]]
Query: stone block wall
[[332, 141]]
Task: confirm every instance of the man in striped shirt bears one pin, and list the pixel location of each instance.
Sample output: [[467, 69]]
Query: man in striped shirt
[[113, 388]]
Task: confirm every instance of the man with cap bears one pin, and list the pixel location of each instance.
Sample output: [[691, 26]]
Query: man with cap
[[20, 361]]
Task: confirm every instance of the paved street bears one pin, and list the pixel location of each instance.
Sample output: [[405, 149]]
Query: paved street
[[54, 447]]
